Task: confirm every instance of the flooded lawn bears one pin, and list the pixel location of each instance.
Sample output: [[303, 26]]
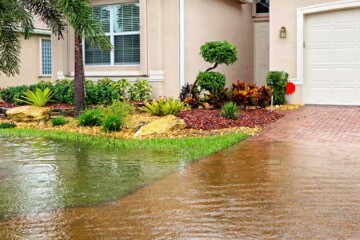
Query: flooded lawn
[[254, 190]]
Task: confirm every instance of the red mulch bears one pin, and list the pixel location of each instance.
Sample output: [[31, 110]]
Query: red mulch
[[211, 119]]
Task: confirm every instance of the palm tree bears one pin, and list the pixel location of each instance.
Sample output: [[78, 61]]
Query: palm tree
[[15, 14]]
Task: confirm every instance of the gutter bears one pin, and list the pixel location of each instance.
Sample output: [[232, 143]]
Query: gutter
[[182, 42]]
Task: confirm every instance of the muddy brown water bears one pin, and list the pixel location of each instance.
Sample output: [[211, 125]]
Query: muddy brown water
[[254, 190]]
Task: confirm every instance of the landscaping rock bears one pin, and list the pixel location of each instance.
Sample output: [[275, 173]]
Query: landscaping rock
[[162, 125], [29, 114]]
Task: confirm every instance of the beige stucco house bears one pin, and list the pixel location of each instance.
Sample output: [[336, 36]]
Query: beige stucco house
[[159, 40], [35, 58]]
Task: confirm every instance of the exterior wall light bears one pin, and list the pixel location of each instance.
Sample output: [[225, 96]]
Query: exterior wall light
[[283, 32]]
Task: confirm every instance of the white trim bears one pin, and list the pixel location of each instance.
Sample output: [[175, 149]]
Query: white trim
[[42, 32], [154, 75], [182, 43], [301, 13]]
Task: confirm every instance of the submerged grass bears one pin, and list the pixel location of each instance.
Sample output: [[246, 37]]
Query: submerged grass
[[189, 148]]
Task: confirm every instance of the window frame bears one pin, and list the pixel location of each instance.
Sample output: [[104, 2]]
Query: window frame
[[112, 35], [41, 57], [259, 15]]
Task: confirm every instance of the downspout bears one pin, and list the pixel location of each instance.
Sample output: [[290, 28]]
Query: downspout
[[182, 42]]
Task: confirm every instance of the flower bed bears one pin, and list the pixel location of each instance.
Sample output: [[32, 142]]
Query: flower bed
[[212, 119]]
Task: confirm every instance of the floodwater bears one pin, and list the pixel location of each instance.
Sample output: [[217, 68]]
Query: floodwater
[[254, 190]]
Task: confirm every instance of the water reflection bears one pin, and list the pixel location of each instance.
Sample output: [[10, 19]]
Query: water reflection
[[41, 175]]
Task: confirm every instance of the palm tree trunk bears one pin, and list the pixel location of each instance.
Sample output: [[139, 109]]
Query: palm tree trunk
[[79, 80]]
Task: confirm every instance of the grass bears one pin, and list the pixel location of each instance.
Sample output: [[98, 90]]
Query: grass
[[189, 148]]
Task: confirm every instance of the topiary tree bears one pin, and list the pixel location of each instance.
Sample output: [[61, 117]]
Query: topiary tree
[[216, 53]]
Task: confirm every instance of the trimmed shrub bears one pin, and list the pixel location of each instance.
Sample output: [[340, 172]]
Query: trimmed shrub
[[7, 125], [140, 90], [230, 111], [211, 81], [91, 117], [41, 85], [64, 91], [277, 81], [108, 91], [219, 52], [11, 94], [58, 121]]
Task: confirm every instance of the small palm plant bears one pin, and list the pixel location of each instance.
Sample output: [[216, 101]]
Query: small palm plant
[[163, 107], [38, 98], [230, 111]]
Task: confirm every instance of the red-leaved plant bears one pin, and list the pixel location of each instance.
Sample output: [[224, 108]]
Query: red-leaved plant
[[246, 95]]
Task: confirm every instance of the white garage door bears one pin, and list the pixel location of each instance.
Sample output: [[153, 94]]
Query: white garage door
[[332, 58]]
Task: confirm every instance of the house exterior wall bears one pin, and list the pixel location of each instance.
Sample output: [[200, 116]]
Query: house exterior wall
[[30, 68], [283, 52], [218, 20], [160, 32], [159, 46]]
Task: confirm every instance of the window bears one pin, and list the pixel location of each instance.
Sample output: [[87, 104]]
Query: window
[[261, 7], [121, 23], [46, 57]]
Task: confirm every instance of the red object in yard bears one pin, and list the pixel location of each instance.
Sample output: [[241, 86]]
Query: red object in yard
[[290, 88]]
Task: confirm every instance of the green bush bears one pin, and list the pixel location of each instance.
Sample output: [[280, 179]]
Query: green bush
[[7, 125], [140, 91], [58, 121], [108, 91], [219, 52], [112, 122], [277, 81], [41, 85], [11, 94], [37, 98], [91, 117], [119, 108], [211, 81], [163, 107], [64, 91], [230, 111]]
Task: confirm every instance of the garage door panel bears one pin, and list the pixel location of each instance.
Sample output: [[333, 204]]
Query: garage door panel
[[319, 75], [319, 55], [332, 58], [319, 20], [343, 55], [345, 35], [344, 75], [345, 16], [343, 95], [320, 36], [319, 95]]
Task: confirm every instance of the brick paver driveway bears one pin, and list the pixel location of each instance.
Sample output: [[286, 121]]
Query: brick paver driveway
[[319, 124]]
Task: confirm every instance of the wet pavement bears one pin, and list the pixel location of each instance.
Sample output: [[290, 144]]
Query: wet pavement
[[299, 179]]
